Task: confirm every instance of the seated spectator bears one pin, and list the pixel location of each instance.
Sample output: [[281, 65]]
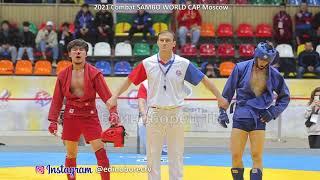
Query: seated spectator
[[8, 40], [303, 26], [84, 24], [27, 42], [309, 61], [282, 26], [104, 24], [142, 22], [64, 37], [47, 40], [189, 21], [210, 71]]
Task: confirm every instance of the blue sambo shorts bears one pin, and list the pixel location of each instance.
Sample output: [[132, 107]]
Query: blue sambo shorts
[[248, 124]]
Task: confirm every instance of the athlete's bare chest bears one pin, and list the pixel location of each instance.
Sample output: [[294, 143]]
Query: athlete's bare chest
[[258, 81], [77, 82]]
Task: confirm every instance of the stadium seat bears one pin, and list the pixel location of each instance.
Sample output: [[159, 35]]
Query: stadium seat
[[6, 67], [159, 26], [285, 51], [300, 48], [102, 49], [226, 50], [203, 66], [226, 68], [71, 27], [195, 64], [42, 67], [207, 30], [241, 1], [245, 30], [188, 50], [222, 1], [207, 50], [90, 49], [33, 28], [136, 64], [122, 29], [62, 65], [318, 49], [122, 68], [264, 31], [104, 67], [313, 2], [155, 49], [123, 49], [275, 2], [294, 2], [225, 30], [246, 50], [141, 49], [259, 2], [23, 67]]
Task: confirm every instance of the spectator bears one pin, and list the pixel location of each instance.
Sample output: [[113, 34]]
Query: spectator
[[64, 37], [104, 24], [308, 60], [47, 40], [189, 21], [316, 27], [316, 21], [210, 71], [313, 122], [303, 24], [142, 22], [27, 42], [84, 24], [282, 26], [7, 41]]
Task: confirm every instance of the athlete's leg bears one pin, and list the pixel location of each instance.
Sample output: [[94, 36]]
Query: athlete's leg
[[71, 159], [238, 142], [256, 145]]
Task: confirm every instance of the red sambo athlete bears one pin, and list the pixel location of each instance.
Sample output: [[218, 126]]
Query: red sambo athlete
[[79, 83]]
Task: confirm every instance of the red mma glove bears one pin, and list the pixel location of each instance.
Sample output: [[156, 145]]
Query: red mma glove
[[53, 127], [115, 135]]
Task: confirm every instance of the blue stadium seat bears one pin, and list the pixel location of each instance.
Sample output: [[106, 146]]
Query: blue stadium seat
[[122, 68], [203, 66], [294, 2], [104, 67], [313, 2]]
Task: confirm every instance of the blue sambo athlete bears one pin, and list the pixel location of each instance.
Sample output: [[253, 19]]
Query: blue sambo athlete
[[255, 82]]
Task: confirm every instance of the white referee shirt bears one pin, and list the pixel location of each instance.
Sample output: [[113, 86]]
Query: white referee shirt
[[166, 81]]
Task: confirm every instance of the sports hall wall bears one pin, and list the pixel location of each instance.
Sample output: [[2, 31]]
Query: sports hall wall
[[25, 102], [235, 14], [26, 112]]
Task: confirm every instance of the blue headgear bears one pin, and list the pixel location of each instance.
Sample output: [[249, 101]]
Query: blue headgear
[[265, 51]]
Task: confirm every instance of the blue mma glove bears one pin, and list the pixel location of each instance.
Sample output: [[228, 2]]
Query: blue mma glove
[[223, 118], [266, 116]]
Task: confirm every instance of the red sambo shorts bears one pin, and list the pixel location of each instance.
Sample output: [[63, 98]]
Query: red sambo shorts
[[86, 123]]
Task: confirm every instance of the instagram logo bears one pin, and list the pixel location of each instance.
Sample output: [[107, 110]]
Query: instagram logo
[[39, 169]]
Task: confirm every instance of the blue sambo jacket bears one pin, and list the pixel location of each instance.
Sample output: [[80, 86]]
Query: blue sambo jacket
[[248, 106]]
